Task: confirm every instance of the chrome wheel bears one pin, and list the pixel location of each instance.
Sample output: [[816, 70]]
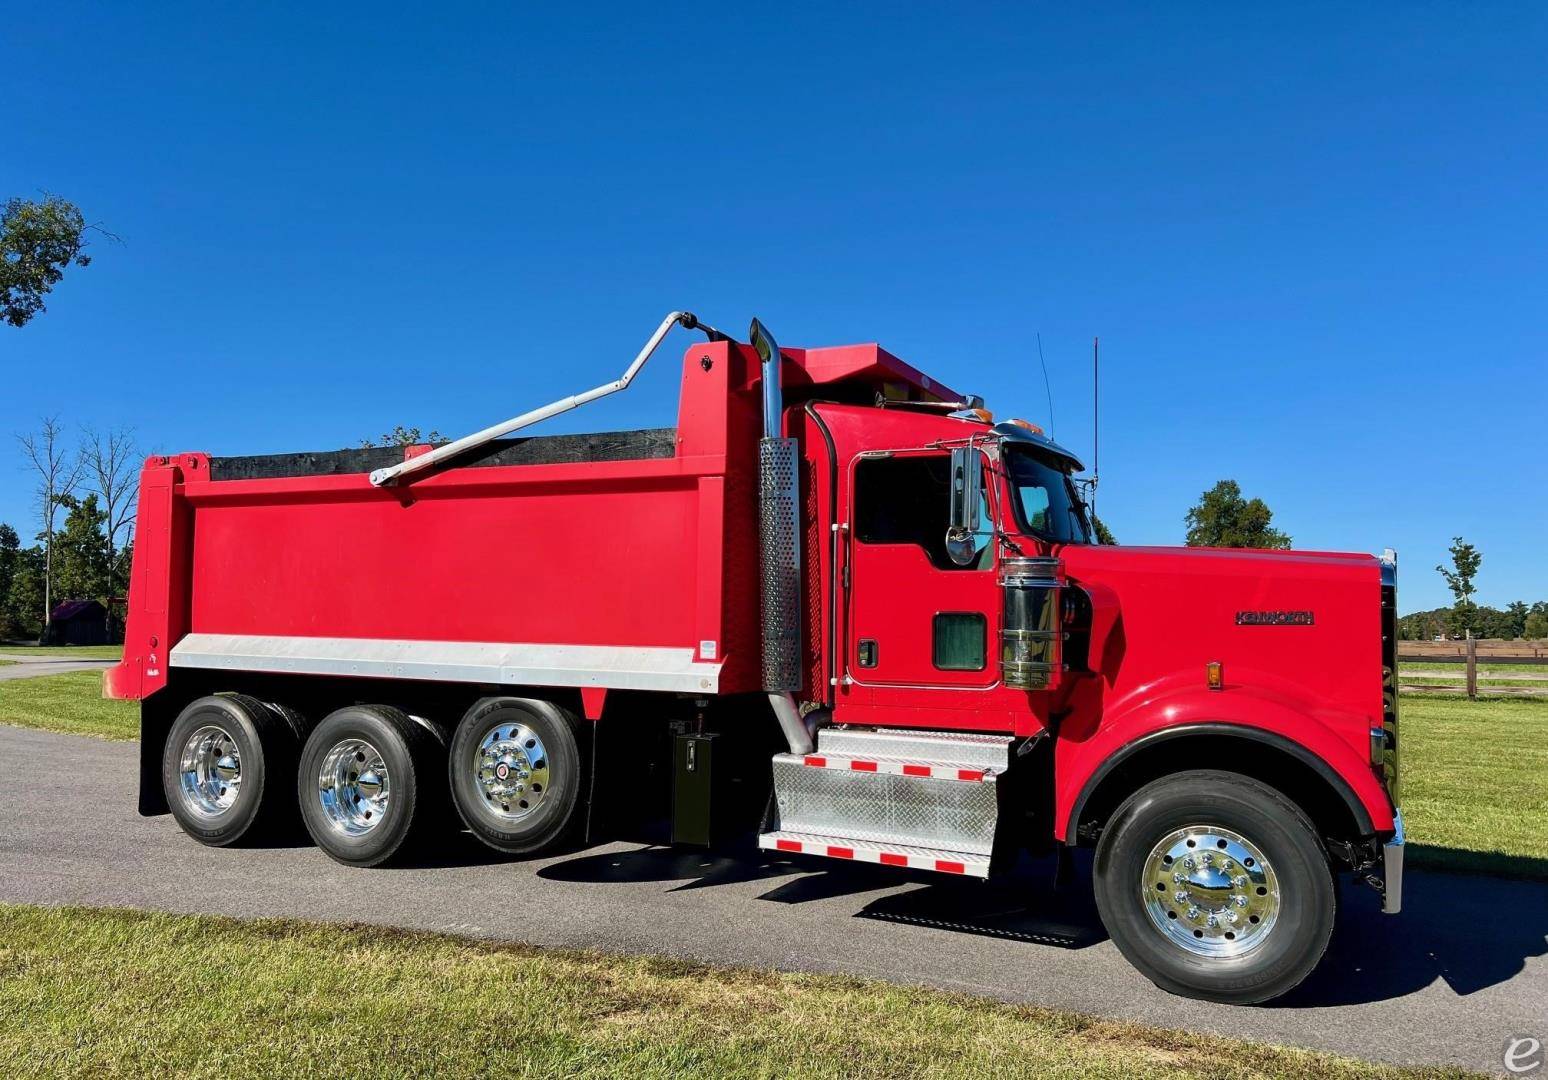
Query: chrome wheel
[[511, 766], [353, 787], [210, 771], [1210, 891]]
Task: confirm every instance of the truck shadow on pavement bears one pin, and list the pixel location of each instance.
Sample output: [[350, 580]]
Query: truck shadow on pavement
[[1018, 909], [1470, 932], [695, 869]]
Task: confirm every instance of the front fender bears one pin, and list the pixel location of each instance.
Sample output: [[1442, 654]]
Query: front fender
[[1328, 740]]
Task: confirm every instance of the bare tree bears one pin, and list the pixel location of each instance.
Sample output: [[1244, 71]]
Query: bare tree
[[109, 461], [59, 472]]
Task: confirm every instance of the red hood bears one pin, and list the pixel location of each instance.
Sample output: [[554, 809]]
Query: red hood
[[1306, 624]]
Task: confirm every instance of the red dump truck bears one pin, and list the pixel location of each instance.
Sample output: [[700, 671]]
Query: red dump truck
[[837, 605]]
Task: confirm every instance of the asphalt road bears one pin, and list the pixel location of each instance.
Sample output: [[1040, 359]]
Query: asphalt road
[[29, 667], [1449, 981]]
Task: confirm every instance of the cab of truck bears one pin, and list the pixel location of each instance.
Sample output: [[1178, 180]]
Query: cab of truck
[[1174, 708]]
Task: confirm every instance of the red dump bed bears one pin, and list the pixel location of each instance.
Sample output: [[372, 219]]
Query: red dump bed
[[626, 561]]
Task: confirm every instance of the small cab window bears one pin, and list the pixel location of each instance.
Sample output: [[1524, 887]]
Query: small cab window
[[906, 500], [960, 641]]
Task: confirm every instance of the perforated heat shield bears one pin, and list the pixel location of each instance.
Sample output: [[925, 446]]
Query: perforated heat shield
[[780, 555]]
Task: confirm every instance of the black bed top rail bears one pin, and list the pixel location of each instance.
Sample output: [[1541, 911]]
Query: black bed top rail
[[540, 450]]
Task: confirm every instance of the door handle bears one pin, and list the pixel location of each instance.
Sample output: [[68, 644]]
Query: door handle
[[867, 652]]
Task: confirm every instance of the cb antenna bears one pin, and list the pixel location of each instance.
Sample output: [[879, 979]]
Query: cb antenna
[[1046, 387], [1096, 383]]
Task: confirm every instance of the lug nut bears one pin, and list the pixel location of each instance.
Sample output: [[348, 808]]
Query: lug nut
[[1193, 913]]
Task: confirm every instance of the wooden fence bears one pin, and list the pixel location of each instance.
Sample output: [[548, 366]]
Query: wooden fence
[[1427, 660]]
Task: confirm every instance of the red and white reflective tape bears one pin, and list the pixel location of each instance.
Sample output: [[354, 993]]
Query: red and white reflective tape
[[897, 768], [876, 854]]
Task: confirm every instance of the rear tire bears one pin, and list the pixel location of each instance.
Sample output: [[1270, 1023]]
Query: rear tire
[[516, 774], [227, 770], [1215, 886], [369, 783]]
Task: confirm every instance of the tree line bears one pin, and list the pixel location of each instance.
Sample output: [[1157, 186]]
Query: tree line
[[1516, 620], [82, 535], [1465, 618], [82, 542]]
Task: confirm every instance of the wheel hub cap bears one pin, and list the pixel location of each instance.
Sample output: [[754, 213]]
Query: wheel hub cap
[[1210, 891], [353, 787], [210, 771], [511, 767]]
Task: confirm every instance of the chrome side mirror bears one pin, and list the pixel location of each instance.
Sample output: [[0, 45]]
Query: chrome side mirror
[[962, 522]]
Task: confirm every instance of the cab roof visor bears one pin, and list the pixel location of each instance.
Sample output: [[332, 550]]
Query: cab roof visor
[[1015, 433]]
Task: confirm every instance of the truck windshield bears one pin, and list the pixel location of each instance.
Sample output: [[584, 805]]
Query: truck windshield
[[1047, 504]]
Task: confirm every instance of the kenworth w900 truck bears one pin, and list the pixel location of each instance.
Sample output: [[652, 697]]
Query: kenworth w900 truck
[[837, 593]]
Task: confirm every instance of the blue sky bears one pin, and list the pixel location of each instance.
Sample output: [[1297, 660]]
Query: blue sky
[[1313, 243]]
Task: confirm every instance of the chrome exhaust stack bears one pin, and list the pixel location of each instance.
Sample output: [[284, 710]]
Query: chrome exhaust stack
[[779, 550]]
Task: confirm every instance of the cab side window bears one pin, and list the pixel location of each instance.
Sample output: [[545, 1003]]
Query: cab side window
[[906, 500]]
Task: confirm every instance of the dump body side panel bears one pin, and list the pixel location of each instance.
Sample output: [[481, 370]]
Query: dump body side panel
[[591, 559]]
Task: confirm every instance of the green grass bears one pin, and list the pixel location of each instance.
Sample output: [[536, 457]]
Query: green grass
[[71, 703], [1456, 674], [1460, 669], [114, 993], [1475, 783], [79, 652]]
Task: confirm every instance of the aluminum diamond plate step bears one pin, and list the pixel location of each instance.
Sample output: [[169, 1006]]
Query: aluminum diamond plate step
[[887, 806], [941, 860], [987, 751]]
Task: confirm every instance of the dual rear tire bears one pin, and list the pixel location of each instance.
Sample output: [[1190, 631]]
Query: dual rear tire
[[515, 774], [229, 769], [370, 781]]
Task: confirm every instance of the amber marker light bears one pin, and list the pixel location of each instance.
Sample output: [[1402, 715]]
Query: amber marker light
[[1214, 676]]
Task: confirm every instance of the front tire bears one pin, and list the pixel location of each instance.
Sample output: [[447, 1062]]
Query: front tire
[[1215, 886], [369, 782], [516, 775]]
